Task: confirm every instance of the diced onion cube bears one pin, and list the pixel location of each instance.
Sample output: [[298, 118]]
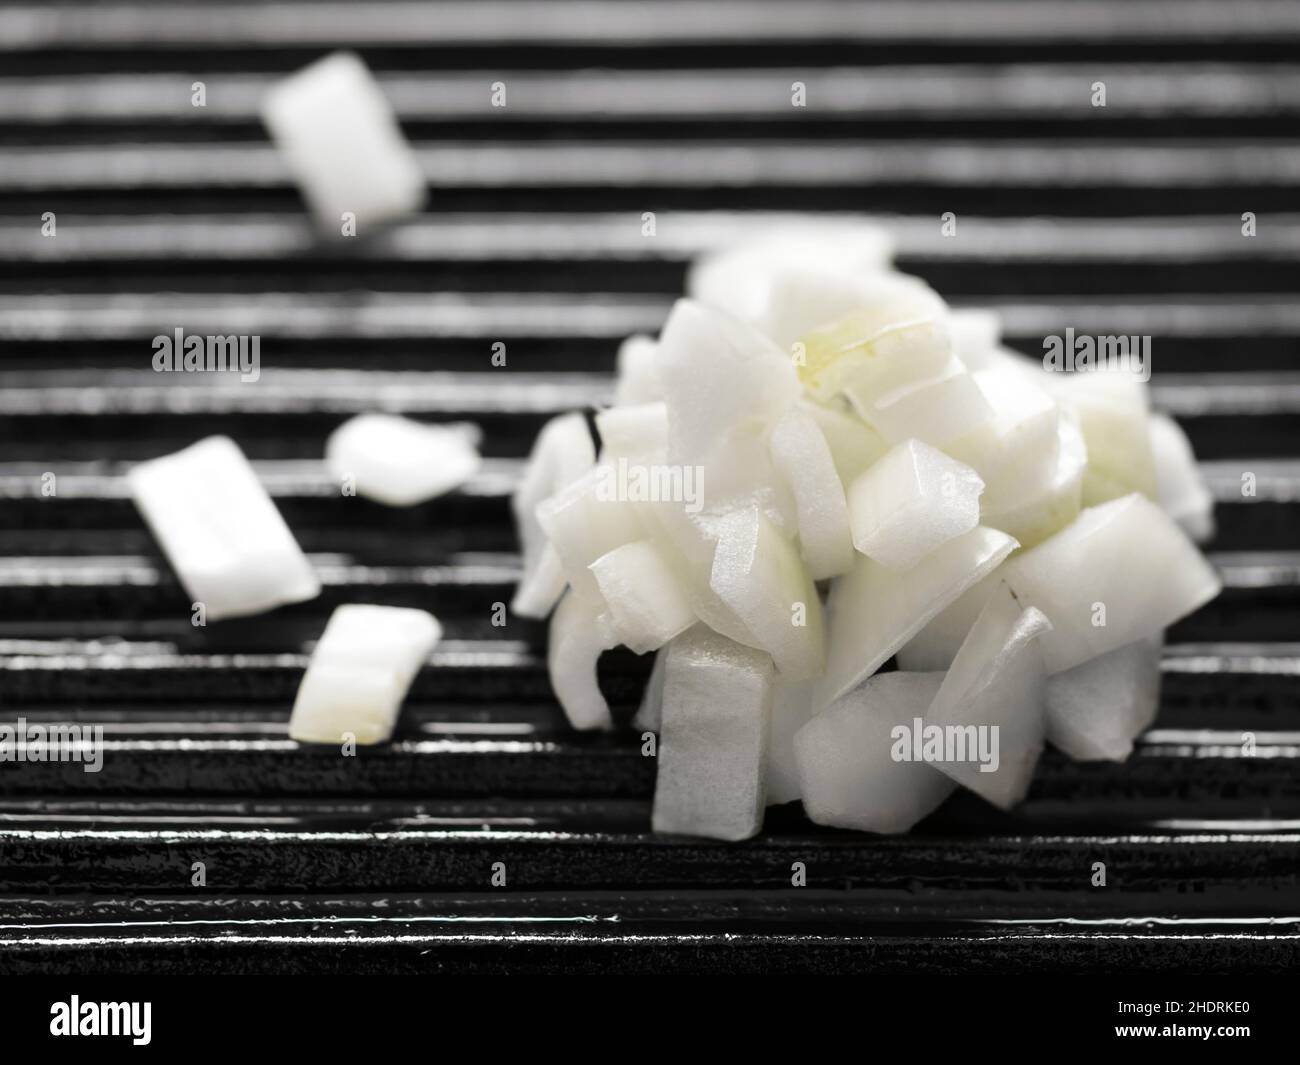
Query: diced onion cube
[[646, 606], [803, 458], [758, 574], [1181, 489], [992, 699], [1120, 572], [875, 610], [342, 144], [1096, 710], [848, 775], [713, 739], [400, 462], [910, 502], [579, 634], [213, 519], [359, 673]]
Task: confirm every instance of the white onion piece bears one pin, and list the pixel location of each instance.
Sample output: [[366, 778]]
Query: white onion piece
[[562, 453], [359, 673], [1095, 711], [638, 373], [1038, 511], [874, 333], [854, 444], [649, 713], [1124, 562], [579, 634], [976, 335], [848, 776], [739, 280], [216, 524], [340, 140], [400, 462], [1113, 411], [647, 607], [718, 375], [1017, 450], [712, 753], [743, 474], [586, 520], [792, 708], [637, 432], [1181, 489], [690, 551], [910, 502], [758, 574], [936, 645], [855, 317], [803, 458], [936, 410], [875, 610], [994, 695]]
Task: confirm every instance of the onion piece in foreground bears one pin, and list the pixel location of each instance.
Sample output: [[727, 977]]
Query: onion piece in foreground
[[359, 673], [910, 502], [215, 522], [992, 702], [1121, 572], [646, 606], [803, 457], [713, 738], [875, 610], [848, 775], [792, 708], [579, 634], [1096, 710], [758, 574]]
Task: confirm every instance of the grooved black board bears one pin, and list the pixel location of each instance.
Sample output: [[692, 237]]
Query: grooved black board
[[384, 863]]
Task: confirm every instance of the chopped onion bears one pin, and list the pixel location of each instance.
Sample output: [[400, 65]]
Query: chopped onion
[[757, 573], [854, 444], [400, 462], [871, 334], [804, 459], [936, 645], [1120, 572], [638, 374], [647, 608], [579, 634], [848, 776], [976, 335], [638, 433], [1181, 489], [650, 712], [586, 520], [1096, 710], [340, 140], [1039, 510], [938, 410], [875, 610], [718, 375], [562, 453], [214, 521], [713, 738], [993, 696], [1114, 413], [910, 502], [359, 673], [739, 280]]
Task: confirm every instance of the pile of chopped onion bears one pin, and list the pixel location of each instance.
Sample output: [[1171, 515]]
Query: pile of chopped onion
[[819, 468]]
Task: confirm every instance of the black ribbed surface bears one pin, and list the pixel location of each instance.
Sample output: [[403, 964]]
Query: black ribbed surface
[[1124, 219]]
